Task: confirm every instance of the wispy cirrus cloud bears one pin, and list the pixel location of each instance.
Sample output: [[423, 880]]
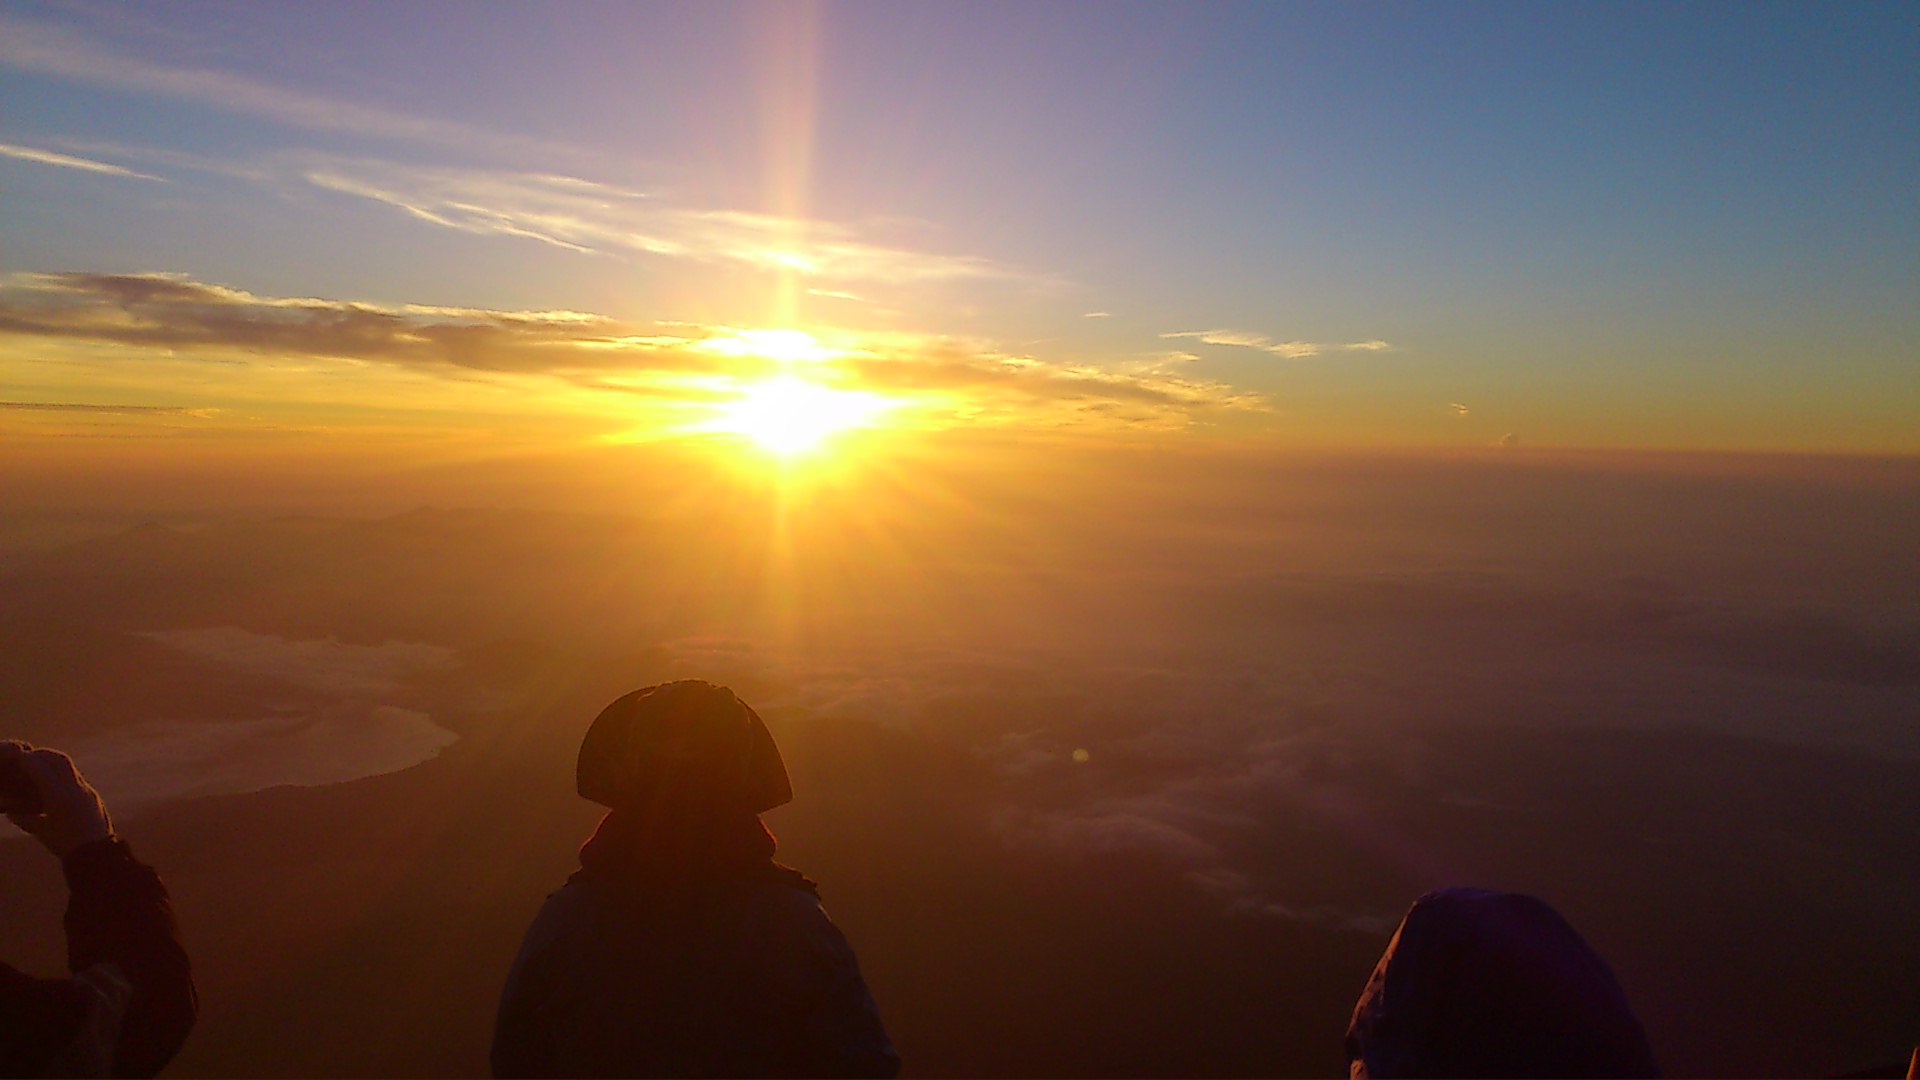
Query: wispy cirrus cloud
[[837, 294], [944, 378], [69, 161], [28, 45], [992, 385], [592, 217], [1291, 350], [165, 158], [585, 216], [543, 206]]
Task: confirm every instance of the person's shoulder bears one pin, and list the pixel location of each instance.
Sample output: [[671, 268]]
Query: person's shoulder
[[793, 924], [790, 897], [571, 909], [578, 891]]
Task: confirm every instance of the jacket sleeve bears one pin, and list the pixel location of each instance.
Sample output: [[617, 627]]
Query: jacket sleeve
[[118, 913], [523, 1035]]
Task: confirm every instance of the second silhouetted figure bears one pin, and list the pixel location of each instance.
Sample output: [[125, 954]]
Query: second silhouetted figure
[[681, 948]]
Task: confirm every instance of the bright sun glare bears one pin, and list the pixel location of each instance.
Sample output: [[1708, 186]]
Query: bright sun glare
[[789, 415], [792, 412]]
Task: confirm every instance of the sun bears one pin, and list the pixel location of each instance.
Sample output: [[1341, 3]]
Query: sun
[[789, 416]]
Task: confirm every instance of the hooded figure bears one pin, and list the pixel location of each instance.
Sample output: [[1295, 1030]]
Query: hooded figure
[[1484, 983], [681, 948]]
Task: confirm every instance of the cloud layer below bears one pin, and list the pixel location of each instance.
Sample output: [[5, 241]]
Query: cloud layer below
[[338, 722]]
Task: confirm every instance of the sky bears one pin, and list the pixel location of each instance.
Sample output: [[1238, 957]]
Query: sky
[[461, 228]]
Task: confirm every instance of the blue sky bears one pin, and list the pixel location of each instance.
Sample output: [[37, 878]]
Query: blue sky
[[1593, 225]]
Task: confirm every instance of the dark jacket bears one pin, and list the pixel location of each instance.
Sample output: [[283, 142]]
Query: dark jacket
[[131, 1000], [746, 977]]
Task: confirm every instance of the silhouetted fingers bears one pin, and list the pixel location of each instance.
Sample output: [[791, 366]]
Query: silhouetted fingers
[[54, 773]]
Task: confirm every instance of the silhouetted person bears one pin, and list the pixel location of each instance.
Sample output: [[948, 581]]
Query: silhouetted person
[[1480, 983], [130, 1001], [681, 948]]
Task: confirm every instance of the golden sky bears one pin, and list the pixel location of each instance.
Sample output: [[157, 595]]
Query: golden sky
[[790, 222]]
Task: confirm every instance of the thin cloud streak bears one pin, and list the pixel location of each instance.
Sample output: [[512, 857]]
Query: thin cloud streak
[[90, 407], [68, 161], [154, 156], [466, 217], [47, 50], [1290, 350], [169, 311]]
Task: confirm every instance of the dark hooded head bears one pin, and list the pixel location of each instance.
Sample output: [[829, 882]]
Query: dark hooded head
[[682, 742], [1483, 983]]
